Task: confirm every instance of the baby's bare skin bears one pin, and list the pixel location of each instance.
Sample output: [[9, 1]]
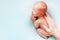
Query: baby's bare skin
[[39, 17], [42, 21]]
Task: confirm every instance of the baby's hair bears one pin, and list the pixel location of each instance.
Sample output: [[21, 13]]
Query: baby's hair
[[41, 5]]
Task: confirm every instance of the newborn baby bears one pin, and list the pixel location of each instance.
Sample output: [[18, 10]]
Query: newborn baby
[[40, 16]]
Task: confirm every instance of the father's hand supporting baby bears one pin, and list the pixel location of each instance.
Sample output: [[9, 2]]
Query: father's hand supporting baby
[[52, 30]]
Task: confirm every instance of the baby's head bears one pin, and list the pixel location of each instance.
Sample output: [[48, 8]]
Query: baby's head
[[40, 8]]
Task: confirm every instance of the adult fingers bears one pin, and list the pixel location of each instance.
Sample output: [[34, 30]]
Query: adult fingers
[[46, 28], [42, 33], [50, 22]]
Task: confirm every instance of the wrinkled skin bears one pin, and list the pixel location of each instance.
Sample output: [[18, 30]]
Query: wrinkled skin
[[39, 14]]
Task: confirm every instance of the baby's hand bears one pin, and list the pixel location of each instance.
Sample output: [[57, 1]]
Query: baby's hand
[[40, 21]]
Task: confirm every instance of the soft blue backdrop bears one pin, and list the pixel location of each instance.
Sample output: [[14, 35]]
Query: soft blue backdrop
[[15, 22]]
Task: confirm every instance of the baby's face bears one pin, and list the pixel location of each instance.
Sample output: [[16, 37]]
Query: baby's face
[[39, 12]]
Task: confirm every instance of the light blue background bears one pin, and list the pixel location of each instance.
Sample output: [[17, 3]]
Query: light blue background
[[15, 22]]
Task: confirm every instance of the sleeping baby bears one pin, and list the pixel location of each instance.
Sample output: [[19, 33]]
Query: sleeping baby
[[39, 17]]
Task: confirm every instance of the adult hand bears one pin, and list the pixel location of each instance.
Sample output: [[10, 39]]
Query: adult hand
[[52, 30]]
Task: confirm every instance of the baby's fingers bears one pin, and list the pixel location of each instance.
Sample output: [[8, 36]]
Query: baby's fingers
[[36, 24]]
